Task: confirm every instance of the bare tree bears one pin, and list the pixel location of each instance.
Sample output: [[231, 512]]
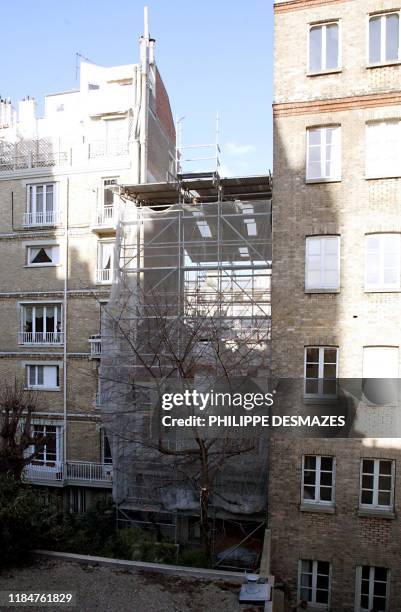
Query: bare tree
[[155, 343], [18, 444]]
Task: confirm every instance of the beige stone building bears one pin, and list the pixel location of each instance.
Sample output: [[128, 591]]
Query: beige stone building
[[336, 296], [59, 200]]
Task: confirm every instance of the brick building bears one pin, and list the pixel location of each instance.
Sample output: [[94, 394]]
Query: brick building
[[336, 294], [59, 201]]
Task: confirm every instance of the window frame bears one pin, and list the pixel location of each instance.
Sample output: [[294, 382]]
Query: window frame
[[358, 587], [37, 365], [31, 203], [45, 463], [321, 287], [99, 269], [382, 62], [336, 177], [375, 174], [318, 471], [313, 603], [41, 245], [320, 395], [381, 286], [58, 334], [323, 25], [376, 474]]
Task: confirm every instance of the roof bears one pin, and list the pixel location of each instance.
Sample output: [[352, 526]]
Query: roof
[[203, 187]]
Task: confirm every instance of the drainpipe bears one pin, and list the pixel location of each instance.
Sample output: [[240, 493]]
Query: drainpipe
[[143, 138], [65, 329]]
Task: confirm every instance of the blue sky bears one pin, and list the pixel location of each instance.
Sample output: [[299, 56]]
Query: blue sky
[[214, 55]]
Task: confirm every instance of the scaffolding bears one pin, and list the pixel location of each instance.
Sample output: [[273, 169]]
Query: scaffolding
[[194, 253]]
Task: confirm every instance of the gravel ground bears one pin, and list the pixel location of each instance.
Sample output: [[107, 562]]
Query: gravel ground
[[105, 589]]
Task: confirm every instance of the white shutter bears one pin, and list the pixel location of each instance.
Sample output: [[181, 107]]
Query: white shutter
[[382, 261], [50, 377], [380, 362], [330, 262]]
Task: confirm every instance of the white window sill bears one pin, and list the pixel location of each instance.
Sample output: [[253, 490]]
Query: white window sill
[[382, 177], [322, 290], [324, 72], [43, 265], [316, 507], [376, 513], [320, 399], [42, 388], [382, 290], [384, 64], [317, 181]]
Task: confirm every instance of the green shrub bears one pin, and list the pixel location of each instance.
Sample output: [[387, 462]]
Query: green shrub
[[193, 557], [23, 520]]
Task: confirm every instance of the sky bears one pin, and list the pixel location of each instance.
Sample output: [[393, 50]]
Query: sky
[[213, 55]]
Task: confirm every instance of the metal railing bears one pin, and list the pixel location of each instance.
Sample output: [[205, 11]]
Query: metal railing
[[42, 472], [104, 275], [92, 472], [95, 343], [74, 471], [108, 148], [48, 217], [41, 337], [105, 216]]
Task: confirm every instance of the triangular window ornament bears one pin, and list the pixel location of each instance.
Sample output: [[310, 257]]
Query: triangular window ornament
[[42, 257]]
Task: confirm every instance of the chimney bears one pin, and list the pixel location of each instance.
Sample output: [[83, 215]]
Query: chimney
[[27, 117], [6, 113]]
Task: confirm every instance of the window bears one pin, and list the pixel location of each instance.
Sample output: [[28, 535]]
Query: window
[[41, 205], [320, 372], [380, 362], [324, 47], [105, 262], [372, 589], [384, 38], [383, 149], [77, 500], [314, 582], [108, 199], [382, 261], [41, 324], [317, 480], [323, 153], [43, 255], [106, 457], [42, 376], [48, 439], [377, 483], [322, 265]]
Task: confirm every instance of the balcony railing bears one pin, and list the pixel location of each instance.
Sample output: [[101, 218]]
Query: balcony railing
[[74, 472], [49, 217], [95, 343], [40, 473], [104, 275], [92, 472], [41, 337], [105, 216], [111, 148]]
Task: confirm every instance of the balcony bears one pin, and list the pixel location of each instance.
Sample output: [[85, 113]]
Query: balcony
[[95, 474], [49, 338], [30, 154], [105, 219], [108, 148], [104, 276], [95, 343], [83, 473], [44, 474], [49, 217]]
